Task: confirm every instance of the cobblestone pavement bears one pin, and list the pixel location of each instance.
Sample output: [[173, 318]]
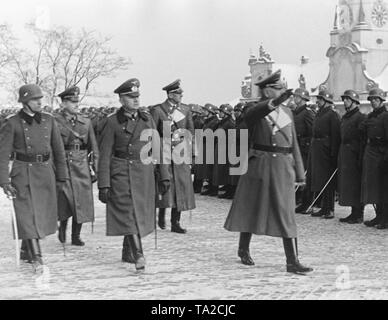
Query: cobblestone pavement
[[350, 262]]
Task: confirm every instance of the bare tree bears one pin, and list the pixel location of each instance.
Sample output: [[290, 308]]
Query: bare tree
[[60, 58]]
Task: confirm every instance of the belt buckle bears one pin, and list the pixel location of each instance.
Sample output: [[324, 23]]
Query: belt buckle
[[77, 147], [39, 158]]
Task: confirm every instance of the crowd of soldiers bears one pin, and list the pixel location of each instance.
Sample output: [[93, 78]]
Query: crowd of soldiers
[[57, 157]]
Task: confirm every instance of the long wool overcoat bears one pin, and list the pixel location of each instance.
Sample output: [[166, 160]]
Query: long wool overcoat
[[131, 203], [36, 200], [181, 192], [75, 197], [264, 202]]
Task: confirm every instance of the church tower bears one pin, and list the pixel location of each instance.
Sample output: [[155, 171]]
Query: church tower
[[358, 51]]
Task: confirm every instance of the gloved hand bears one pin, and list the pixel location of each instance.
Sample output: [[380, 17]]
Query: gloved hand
[[9, 190], [164, 186], [103, 194], [283, 97]]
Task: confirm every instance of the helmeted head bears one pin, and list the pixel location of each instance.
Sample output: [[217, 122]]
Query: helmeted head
[[29, 92], [352, 95], [377, 93], [326, 96], [302, 93]]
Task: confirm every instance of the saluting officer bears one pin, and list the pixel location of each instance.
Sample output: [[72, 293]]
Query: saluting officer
[[264, 203], [75, 197], [126, 182], [324, 153], [375, 166], [350, 158], [32, 140], [304, 118], [180, 196]]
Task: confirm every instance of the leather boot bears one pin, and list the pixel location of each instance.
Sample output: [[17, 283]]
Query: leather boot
[[162, 218], [127, 255], [197, 184], [175, 219], [137, 251], [62, 231], [357, 216], [291, 251], [36, 254], [75, 234], [228, 194], [24, 252], [243, 249]]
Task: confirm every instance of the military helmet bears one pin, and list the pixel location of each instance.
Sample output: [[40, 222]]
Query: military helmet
[[239, 107], [227, 109], [352, 95], [376, 93], [210, 108], [29, 92], [303, 93], [326, 95]]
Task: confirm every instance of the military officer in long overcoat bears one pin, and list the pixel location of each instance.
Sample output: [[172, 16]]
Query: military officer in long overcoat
[[126, 180], [175, 115], [264, 203], [32, 140], [324, 153], [350, 158], [304, 118], [75, 197], [375, 165]]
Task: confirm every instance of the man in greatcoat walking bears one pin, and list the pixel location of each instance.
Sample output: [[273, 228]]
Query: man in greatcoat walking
[[126, 181], [350, 158], [264, 203], [75, 197], [375, 165], [175, 115], [32, 140], [324, 153]]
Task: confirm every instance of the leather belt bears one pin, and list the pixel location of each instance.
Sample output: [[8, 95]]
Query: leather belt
[[274, 149], [75, 147], [31, 157], [125, 155]]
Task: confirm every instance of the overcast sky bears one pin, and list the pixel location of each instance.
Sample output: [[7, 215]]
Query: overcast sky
[[205, 43]]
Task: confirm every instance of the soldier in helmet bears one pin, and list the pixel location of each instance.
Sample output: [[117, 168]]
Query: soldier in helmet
[[264, 203], [350, 158], [175, 115], [324, 153], [32, 140], [304, 118], [75, 198], [375, 166]]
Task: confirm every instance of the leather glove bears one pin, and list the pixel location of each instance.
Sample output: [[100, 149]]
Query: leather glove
[[283, 97], [9, 190], [164, 186], [103, 194]]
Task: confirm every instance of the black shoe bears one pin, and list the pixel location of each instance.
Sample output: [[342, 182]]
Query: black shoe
[[226, 195], [301, 209], [382, 225], [354, 221], [319, 213], [177, 228], [298, 268], [329, 215], [245, 258], [137, 251], [77, 242], [347, 219], [372, 223]]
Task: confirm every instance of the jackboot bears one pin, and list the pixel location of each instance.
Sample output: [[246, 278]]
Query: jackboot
[[24, 252], [162, 218], [358, 215], [197, 185], [75, 234], [62, 231], [137, 251], [243, 249], [228, 194], [36, 254], [127, 255], [291, 251], [175, 219]]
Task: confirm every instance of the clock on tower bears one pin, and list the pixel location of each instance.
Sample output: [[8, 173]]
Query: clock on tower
[[379, 14]]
